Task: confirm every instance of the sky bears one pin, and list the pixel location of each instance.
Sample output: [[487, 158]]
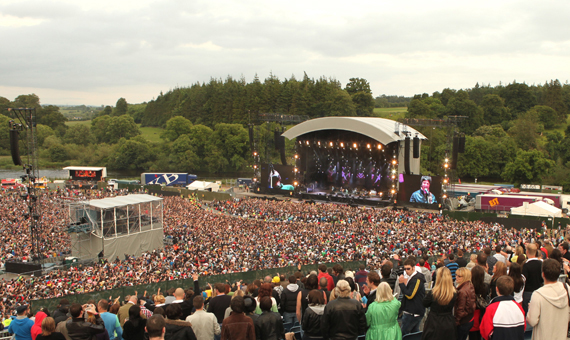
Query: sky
[[71, 52]]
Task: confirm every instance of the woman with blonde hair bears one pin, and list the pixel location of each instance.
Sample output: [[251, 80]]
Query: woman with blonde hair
[[440, 323], [48, 331], [465, 303], [382, 316], [238, 292]]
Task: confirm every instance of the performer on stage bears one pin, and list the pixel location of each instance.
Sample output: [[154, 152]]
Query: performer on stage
[[424, 195]]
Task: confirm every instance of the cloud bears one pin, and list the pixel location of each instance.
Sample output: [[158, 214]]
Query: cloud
[[105, 49]]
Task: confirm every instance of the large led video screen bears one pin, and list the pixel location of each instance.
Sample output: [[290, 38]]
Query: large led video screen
[[418, 190], [277, 176]]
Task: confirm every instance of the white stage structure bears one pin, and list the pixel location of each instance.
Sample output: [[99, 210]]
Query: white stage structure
[[119, 225]]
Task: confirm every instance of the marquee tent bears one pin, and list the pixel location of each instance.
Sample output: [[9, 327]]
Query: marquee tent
[[537, 209]]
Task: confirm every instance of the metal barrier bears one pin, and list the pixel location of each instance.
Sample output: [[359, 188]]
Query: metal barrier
[[203, 281]]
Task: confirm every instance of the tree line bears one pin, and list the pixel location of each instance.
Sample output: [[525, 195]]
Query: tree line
[[234, 100], [516, 132]]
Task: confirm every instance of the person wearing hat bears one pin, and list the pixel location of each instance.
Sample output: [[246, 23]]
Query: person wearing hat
[[21, 327]]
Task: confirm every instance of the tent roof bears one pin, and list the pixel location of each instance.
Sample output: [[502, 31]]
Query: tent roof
[[538, 208], [202, 184], [121, 201], [380, 129], [88, 168]]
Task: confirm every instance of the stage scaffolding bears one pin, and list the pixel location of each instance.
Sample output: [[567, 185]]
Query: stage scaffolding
[[116, 226]]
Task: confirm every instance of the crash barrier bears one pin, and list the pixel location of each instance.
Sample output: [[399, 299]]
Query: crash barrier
[[152, 288], [512, 221]]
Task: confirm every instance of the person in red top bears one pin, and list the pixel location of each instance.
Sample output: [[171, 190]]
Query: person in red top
[[504, 318], [323, 273]]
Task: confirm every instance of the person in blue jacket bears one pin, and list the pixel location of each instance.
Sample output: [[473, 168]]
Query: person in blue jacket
[[423, 195], [21, 327]]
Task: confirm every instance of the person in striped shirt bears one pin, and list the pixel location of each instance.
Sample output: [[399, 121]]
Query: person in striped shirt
[[452, 266]]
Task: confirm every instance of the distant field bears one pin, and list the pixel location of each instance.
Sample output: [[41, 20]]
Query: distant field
[[393, 113], [78, 122], [152, 134]]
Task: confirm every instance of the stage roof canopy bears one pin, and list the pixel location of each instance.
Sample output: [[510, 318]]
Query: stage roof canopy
[[380, 129], [120, 201]]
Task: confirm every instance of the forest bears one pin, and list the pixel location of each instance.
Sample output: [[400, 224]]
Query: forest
[[514, 132]]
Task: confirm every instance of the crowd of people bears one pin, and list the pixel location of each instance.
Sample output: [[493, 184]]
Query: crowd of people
[[251, 234], [448, 301]]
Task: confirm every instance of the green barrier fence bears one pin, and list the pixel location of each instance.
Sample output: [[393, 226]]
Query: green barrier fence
[[152, 288], [172, 191]]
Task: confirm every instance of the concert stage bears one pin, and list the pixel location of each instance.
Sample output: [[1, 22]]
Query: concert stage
[[345, 159]]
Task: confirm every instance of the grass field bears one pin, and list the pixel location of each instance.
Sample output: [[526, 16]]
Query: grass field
[[152, 134], [393, 113]]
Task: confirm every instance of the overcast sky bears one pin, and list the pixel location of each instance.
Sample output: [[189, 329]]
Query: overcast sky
[[94, 52]]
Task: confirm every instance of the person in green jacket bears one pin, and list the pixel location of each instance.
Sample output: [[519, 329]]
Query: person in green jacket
[[382, 315]]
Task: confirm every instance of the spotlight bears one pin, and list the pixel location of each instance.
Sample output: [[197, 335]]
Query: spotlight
[[394, 162], [296, 169], [295, 183], [379, 146], [393, 177], [296, 156], [393, 191], [331, 143], [341, 144], [255, 166], [307, 142], [255, 179], [319, 143], [354, 145], [446, 165], [444, 196], [447, 160], [445, 180]]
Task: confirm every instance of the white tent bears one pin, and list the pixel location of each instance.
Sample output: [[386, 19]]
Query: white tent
[[537, 209], [202, 185]]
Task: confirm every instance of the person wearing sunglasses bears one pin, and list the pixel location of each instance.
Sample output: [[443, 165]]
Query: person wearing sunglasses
[[413, 289]]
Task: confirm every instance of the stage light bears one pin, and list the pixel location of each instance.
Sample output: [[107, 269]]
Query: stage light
[[331, 144], [354, 145], [307, 142], [296, 169], [393, 191], [255, 166], [444, 196], [296, 156], [295, 183], [368, 145], [394, 162], [446, 165], [447, 160], [445, 180], [341, 144], [255, 179], [319, 143], [381, 193], [393, 177]]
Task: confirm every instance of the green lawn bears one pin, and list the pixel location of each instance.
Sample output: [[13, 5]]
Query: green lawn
[[393, 113], [152, 134], [78, 122]]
